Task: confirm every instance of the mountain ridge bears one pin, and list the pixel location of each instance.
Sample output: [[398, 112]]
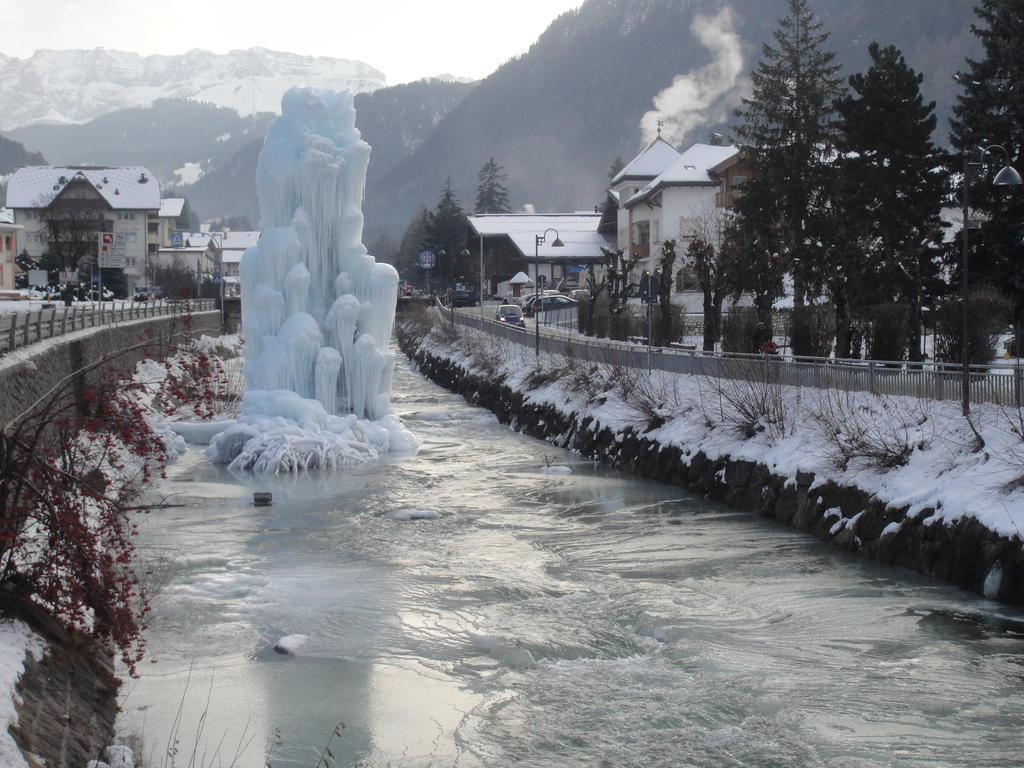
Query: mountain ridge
[[76, 86]]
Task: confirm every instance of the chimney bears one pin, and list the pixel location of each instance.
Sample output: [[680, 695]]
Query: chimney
[[716, 139]]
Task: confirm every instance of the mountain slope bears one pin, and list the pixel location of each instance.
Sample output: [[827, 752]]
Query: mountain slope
[[557, 116], [394, 121], [13, 155], [77, 86], [163, 137]]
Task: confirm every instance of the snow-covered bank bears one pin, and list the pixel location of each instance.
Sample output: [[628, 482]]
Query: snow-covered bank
[[906, 481]]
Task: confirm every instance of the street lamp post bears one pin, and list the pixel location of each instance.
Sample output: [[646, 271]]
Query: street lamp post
[[538, 240], [1007, 177]]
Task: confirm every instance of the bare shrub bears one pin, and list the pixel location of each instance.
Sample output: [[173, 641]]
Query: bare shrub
[[751, 398], [656, 398], [489, 355], [988, 312], [880, 431], [812, 328], [886, 331], [738, 329]]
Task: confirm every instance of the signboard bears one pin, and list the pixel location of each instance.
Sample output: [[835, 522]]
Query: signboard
[[69, 278], [38, 277], [177, 239], [113, 252], [427, 260]]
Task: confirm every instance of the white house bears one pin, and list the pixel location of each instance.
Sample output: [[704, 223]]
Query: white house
[[663, 194], [123, 202]]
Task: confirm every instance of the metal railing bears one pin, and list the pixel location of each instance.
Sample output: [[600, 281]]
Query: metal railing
[[1000, 383], [19, 329]]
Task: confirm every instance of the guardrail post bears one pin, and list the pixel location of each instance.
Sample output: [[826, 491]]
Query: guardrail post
[[13, 343], [1018, 401], [871, 377], [53, 320], [24, 330]]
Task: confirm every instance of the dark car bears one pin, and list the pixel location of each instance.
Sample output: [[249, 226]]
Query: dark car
[[461, 298], [511, 314]]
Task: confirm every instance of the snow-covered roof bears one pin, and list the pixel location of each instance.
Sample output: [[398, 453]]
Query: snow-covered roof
[[198, 239], [648, 163], [577, 231], [123, 188], [691, 168], [521, 278], [240, 240], [171, 207]]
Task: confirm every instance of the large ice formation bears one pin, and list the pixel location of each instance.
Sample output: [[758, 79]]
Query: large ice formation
[[317, 310]]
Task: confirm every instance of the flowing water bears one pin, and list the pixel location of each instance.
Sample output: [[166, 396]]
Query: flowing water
[[583, 619]]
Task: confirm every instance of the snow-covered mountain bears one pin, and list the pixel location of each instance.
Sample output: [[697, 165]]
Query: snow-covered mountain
[[79, 85]]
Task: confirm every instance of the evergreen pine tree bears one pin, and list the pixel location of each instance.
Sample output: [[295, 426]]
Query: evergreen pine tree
[[891, 190], [414, 242], [446, 235], [787, 128], [491, 194], [990, 111]]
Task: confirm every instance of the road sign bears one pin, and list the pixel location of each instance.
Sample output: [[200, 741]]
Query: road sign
[[69, 277], [113, 251], [427, 260], [648, 288], [177, 239]]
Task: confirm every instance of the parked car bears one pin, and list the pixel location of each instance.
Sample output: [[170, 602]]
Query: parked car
[[510, 314], [461, 298], [147, 293], [547, 304]]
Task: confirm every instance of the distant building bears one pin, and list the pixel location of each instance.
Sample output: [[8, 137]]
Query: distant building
[[122, 202], [664, 194], [516, 234], [9, 237], [205, 251], [175, 218]]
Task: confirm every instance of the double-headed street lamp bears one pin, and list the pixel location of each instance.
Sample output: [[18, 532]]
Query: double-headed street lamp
[[538, 240], [1007, 177]]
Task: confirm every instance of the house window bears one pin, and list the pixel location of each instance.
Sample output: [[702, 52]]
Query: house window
[[127, 215], [643, 232], [687, 227], [154, 227], [686, 280], [8, 243]]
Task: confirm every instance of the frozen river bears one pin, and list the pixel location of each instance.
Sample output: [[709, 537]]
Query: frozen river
[[584, 619]]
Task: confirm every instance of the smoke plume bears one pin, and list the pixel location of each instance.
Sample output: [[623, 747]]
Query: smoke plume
[[704, 95]]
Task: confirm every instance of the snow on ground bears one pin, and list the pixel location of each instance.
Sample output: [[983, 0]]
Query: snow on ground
[[16, 640], [946, 469]]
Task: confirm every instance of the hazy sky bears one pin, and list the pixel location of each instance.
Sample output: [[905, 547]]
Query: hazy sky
[[405, 39]]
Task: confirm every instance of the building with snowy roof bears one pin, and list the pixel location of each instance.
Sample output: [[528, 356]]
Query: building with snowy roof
[[509, 245], [663, 194], [204, 251], [122, 202]]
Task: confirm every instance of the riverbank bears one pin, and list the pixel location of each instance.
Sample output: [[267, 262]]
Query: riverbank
[[893, 479]]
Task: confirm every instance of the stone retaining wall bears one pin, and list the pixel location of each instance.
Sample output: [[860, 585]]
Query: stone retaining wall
[[68, 699], [27, 374], [965, 554]]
